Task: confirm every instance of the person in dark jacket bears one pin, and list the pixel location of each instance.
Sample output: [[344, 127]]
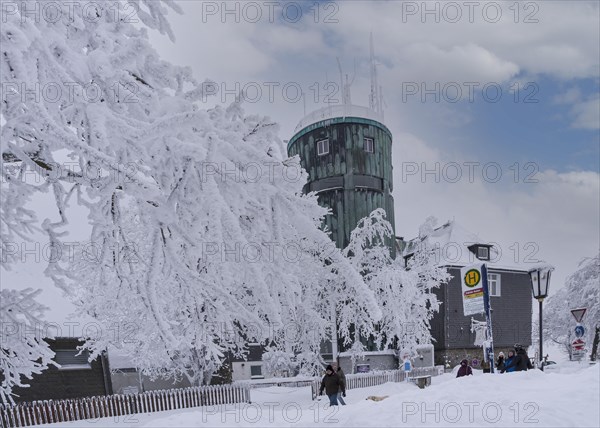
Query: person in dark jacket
[[331, 384], [521, 361], [508, 363], [465, 369], [500, 363], [342, 390]]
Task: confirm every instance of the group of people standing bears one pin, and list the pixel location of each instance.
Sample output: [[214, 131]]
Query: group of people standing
[[334, 385], [517, 361]]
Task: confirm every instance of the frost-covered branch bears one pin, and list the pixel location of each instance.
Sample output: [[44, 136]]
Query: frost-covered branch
[[22, 352]]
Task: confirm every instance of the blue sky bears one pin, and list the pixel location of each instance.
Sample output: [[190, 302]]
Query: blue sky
[[539, 132]]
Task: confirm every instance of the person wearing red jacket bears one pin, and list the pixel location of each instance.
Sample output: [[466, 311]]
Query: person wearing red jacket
[[465, 369]]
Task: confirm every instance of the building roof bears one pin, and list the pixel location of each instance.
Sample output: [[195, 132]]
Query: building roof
[[451, 243]]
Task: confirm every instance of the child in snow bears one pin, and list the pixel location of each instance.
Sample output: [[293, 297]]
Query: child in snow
[[465, 369]]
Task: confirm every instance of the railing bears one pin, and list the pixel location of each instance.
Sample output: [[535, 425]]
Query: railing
[[338, 110], [365, 380], [51, 411]]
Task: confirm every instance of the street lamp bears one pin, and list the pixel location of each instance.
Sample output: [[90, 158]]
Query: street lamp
[[540, 282]]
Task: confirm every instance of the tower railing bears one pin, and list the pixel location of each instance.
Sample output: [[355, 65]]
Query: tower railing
[[338, 110]]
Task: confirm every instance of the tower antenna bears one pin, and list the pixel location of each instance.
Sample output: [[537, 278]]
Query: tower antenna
[[344, 86], [375, 97], [304, 102]]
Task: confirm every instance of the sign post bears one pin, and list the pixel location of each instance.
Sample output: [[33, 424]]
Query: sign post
[[476, 300], [578, 345], [489, 343]]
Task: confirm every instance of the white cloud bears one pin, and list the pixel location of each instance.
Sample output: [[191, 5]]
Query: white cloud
[[570, 96], [587, 114], [463, 63], [554, 219]]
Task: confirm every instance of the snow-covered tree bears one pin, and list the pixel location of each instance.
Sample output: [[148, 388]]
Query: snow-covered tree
[[404, 294], [581, 290], [201, 235], [277, 362], [22, 350]]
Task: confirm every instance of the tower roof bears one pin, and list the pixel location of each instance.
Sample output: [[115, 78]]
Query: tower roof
[[339, 110]]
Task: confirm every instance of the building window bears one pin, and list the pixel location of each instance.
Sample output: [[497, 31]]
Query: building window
[[494, 284], [255, 371], [483, 253], [322, 147], [69, 360], [368, 145]]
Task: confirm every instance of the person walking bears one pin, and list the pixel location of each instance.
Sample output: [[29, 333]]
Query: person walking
[[331, 385], [521, 361], [465, 369], [342, 390], [500, 362]]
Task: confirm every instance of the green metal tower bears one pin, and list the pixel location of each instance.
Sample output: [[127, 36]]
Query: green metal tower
[[347, 152]]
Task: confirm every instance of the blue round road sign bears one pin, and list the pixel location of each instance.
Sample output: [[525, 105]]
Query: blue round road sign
[[579, 331]]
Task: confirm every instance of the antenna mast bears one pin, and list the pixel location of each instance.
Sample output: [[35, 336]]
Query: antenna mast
[[345, 87], [376, 96]]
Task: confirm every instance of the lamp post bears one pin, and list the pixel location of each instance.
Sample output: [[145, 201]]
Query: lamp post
[[540, 282]]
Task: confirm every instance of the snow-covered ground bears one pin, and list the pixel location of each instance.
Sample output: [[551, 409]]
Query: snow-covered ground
[[569, 396]]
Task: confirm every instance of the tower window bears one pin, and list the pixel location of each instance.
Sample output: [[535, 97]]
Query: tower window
[[368, 144], [322, 147]]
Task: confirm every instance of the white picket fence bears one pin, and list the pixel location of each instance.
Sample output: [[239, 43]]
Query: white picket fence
[[364, 380], [285, 383], [51, 411]]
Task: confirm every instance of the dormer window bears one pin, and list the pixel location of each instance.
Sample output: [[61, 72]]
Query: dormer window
[[481, 251]]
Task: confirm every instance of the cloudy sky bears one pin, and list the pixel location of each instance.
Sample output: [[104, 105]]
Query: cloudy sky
[[498, 101], [502, 98]]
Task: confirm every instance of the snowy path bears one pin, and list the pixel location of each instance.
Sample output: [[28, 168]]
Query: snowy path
[[569, 399]]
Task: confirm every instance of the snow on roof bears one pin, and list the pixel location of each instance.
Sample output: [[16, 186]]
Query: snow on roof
[[338, 110], [451, 243]]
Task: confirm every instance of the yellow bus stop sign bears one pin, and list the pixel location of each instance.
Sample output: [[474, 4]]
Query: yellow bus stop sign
[[472, 277]]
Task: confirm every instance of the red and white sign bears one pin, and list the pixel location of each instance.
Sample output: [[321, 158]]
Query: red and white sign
[[578, 313], [578, 344]]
